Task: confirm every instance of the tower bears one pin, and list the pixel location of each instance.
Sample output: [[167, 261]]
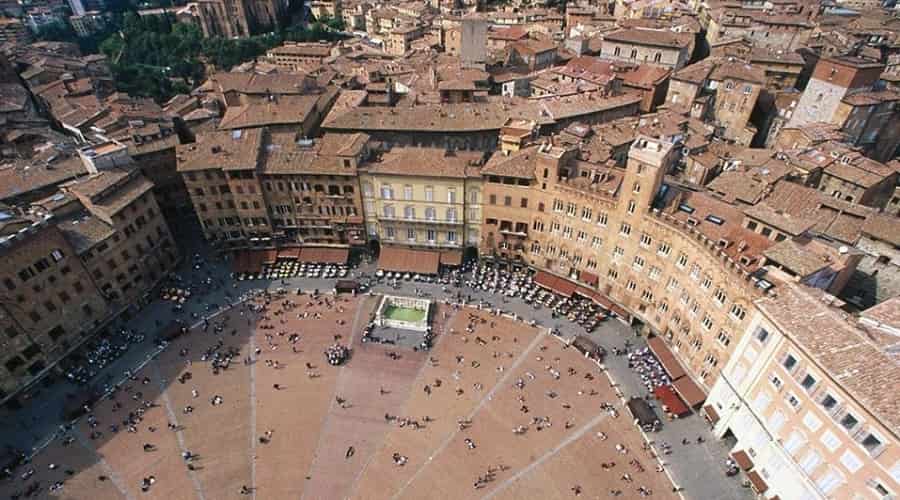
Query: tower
[[832, 79], [648, 161]]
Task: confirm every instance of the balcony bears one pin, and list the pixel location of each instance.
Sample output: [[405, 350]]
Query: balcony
[[420, 220]]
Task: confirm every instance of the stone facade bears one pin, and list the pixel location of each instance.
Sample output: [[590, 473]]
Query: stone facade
[[49, 305], [423, 209], [664, 271], [831, 81], [806, 435], [284, 190]]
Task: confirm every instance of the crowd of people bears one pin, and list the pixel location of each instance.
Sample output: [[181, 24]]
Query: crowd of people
[[648, 368]]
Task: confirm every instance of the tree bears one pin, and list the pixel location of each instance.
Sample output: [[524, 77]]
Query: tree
[[333, 23], [56, 31]]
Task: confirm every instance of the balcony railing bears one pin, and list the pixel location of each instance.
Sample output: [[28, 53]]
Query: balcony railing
[[423, 220]]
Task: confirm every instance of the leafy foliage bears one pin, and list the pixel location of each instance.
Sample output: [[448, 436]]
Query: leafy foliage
[[157, 56]]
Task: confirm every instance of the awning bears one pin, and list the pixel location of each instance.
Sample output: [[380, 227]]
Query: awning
[[598, 298], [239, 262], [689, 391], [586, 346], [619, 311], [172, 331], [556, 284], [451, 257], [346, 286], [251, 261], [269, 256], [742, 459], [711, 414], [666, 358], [759, 484], [406, 260], [642, 411], [289, 253], [324, 255], [667, 397], [589, 278]]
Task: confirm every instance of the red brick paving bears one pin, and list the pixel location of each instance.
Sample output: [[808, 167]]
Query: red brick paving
[[306, 456]]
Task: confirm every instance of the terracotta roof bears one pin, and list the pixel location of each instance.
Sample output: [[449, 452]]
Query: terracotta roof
[[739, 71], [429, 162], [534, 46], [792, 224], [85, 232], [740, 186], [472, 117], [47, 169], [840, 349], [284, 110], [718, 221], [512, 33], [644, 75], [303, 49], [834, 218], [696, 73], [885, 315], [255, 83], [110, 191], [284, 154], [225, 149], [655, 38], [883, 227], [802, 257], [520, 164]]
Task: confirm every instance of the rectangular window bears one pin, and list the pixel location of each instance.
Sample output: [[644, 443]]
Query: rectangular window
[[789, 363], [664, 249], [849, 421], [723, 338], [737, 312], [646, 240], [638, 263]]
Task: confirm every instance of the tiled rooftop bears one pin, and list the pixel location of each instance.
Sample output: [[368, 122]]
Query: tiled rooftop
[[839, 348]]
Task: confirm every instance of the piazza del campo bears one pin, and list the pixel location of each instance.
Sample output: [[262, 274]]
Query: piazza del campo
[[450, 249]]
